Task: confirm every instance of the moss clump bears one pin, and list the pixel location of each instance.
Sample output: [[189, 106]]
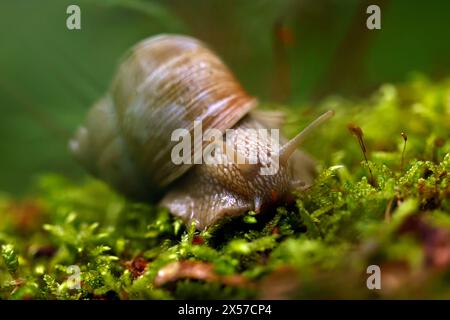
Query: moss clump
[[82, 241]]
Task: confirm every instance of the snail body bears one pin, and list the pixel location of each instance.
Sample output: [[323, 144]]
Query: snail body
[[170, 82]]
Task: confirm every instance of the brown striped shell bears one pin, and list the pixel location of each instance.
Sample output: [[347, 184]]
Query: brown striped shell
[[165, 83]]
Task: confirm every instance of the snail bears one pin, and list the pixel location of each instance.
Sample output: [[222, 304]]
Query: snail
[[168, 82]]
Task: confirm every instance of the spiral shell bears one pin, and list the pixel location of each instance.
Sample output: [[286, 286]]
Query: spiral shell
[[165, 83]]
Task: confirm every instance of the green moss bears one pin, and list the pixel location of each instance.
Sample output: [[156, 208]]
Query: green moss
[[323, 244], [10, 258]]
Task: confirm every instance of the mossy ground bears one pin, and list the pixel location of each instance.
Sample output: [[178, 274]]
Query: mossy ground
[[319, 248]]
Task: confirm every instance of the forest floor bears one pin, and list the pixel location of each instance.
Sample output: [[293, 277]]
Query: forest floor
[[388, 216]]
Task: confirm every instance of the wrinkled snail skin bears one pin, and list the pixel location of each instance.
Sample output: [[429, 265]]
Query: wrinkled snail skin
[[166, 83], [208, 193]]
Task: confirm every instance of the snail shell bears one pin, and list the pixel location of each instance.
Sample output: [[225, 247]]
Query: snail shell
[[164, 83], [167, 83]]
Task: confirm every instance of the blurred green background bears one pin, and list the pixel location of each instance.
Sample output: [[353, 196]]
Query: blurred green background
[[290, 52]]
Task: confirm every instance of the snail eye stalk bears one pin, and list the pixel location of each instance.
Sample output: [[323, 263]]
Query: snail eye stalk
[[288, 149]]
